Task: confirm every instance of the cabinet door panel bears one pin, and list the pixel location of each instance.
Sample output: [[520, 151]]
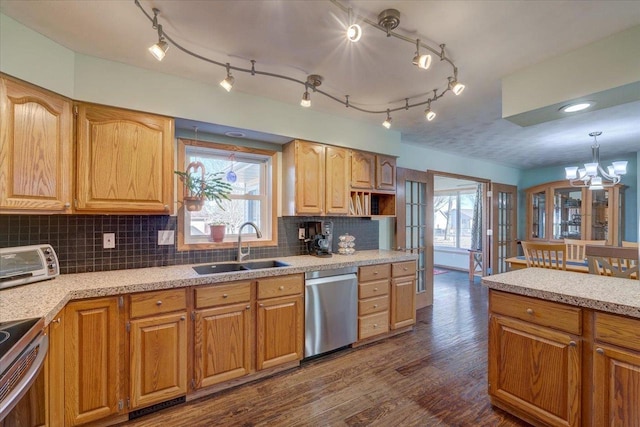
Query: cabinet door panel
[[279, 331], [125, 160], [310, 165], [362, 170], [222, 344], [385, 173], [158, 359], [403, 302], [337, 181], [35, 149], [616, 387], [92, 360], [536, 370]]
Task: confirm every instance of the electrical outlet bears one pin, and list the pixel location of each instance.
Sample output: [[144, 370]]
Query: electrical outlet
[[301, 233], [165, 237], [109, 240]]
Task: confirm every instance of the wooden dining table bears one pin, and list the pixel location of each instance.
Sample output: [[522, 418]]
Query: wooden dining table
[[518, 262]]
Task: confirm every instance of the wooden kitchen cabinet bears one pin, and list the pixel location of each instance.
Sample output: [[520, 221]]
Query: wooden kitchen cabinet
[[316, 180], [616, 371], [535, 359], [124, 161], [36, 149], [363, 168], [280, 320], [385, 172], [556, 211], [158, 346], [403, 294], [223, 333], [93, 359], [373, 300]]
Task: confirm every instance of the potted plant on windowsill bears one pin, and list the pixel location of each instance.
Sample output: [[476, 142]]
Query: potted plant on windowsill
[[217, 230], [199, 186]]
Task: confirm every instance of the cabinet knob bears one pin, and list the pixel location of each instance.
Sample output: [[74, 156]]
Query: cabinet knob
[[375, 272], [599, 350], [248, 307], [225, 296], [261, 305], [56, 320], [183, 318], [375, 289], [375, 325], [375, 305], [67, 205], [572, 344], [281, 288], [405, 268], [166, 207], [529, 311], [158, 303]]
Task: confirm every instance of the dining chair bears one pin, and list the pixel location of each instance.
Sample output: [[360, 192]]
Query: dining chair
[[626, 244], [575, 248], [545, 255], [613, 261]]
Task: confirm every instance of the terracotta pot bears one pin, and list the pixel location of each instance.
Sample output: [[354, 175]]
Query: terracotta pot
[[193, 204], [217, 232]]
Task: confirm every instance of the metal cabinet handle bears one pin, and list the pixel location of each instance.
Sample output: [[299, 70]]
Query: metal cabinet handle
[[158, 303], [281, 288], [67, 205], [572, 344], [225, 296], [599, 350], [529, 311]]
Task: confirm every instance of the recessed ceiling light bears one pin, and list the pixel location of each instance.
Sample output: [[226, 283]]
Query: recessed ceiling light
[[235, 134], [573, 108]]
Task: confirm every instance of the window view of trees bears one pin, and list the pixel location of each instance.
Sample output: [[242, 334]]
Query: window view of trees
[[453, 218]]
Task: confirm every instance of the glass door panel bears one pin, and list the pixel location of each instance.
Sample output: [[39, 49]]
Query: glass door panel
[[539, 210], [599, 215], [567, 213]]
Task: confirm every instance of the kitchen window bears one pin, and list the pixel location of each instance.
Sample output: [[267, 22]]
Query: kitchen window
[[453, 218], [250, 172]]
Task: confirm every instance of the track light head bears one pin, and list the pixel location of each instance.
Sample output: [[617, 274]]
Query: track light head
[[159, 49], [429, 114], [387, 122], [354, 33], [422, 61], [455, 86], [228, 81], [306, 99]]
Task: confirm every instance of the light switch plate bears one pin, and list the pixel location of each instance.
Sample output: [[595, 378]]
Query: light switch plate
[[301, 233], [109, 240], [165, 237]]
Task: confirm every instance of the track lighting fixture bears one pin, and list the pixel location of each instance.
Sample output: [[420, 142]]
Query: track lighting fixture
[[228, 81], [455, 86], [387, 122], [159, 49], [421, 61], [306, 98], [354, 32], [388, 20]]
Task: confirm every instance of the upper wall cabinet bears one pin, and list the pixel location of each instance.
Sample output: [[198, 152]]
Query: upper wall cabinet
[[363, 167], [36, 149], [316, 179], [385, 173], [124, 161]]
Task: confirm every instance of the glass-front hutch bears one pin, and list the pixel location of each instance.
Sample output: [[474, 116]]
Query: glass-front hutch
[[557, 211]]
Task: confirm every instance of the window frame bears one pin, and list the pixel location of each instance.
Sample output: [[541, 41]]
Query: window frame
[[457, 194], [183, 143]]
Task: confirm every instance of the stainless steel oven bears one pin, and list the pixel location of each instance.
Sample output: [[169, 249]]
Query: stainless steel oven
[[21, 265]]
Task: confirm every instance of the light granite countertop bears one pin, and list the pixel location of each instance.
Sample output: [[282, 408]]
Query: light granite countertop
[[612, 295], [46, 299]]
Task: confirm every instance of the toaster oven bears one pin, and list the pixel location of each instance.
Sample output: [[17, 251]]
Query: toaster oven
[[27, 264]]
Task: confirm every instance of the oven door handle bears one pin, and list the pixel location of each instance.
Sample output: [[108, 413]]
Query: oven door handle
[[28, 379]]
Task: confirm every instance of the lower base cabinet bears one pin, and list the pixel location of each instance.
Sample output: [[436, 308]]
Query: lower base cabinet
[[555, 364]]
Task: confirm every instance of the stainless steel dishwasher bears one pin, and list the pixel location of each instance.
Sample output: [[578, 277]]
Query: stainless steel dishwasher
[[330, 310]]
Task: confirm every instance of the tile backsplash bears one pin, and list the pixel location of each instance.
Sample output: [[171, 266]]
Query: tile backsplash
[[77, 240]]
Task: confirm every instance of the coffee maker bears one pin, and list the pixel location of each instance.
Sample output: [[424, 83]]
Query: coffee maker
[[318, 236]]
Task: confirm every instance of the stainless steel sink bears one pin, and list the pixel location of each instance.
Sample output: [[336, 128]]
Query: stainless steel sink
[[254, 265], [227, 267]]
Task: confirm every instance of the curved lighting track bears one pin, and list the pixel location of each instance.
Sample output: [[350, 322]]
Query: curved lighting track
[[441, 54]]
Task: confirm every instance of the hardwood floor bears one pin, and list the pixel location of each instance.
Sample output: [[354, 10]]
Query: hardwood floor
[[435, 375]]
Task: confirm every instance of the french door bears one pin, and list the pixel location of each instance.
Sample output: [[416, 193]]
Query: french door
[[504, 206]]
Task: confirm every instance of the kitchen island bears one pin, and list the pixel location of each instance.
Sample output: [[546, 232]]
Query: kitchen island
[[564, 347]]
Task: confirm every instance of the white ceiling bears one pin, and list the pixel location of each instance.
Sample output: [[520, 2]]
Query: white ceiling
[[487, 40]]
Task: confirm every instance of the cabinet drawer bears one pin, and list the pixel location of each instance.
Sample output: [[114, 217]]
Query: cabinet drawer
[[280, 286], [373, 289], [407, 268], [618, 330], [157, 302], [210, 296], [373, 305], [544, 313], [374, 272], [374, 324]]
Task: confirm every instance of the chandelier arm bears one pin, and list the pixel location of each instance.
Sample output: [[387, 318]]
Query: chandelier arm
[[349, 104]]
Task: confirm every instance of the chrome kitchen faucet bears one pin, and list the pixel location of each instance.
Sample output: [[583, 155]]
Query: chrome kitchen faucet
[[243, 255]]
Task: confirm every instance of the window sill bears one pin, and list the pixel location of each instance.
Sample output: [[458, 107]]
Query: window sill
[[224, 245]]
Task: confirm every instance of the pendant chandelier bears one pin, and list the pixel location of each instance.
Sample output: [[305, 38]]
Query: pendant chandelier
[[593, 176]]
